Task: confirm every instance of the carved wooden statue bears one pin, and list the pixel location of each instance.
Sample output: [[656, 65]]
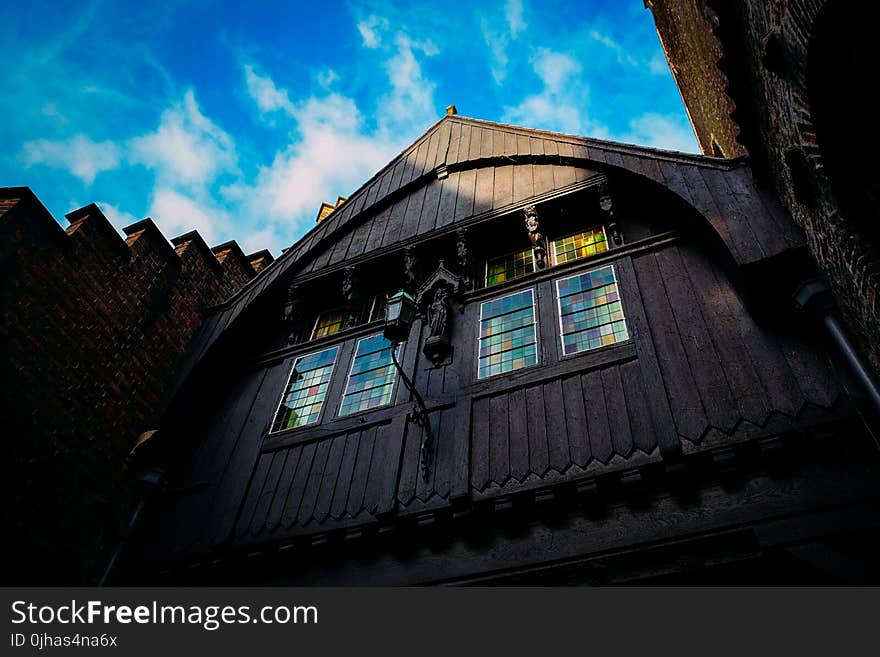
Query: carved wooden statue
[[539, 244]]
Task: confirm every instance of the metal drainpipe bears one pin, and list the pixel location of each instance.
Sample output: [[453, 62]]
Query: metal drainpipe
[[150, 484], [815, 299]]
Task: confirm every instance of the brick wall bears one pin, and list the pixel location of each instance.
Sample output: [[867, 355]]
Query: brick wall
[[761, 50], [93, 327]]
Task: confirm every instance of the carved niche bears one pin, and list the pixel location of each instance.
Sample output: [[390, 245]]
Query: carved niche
[[436, 299], [607, 206]]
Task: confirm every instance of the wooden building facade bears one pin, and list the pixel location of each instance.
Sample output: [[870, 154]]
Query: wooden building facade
[[617, 382]]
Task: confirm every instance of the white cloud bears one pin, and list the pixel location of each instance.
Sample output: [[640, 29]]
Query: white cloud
[[661, 131], [187, 148], [369, 30], [410, 103], [561, 103], [498, 40], [177, 213], [513, 13], [327, 77], [263, 91], [119, 218], [79, 155]]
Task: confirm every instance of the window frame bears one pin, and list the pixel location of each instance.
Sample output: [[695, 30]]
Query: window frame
[[536, 320], [555, 263], [558, 311], [392, 399], [320, 314], [486, 261], [286, 388]]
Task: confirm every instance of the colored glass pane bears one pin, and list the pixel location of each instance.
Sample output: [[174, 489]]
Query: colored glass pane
[[328, 323], [510, 266], [371, 380], [306, 390], [590, 313], [580, 245], [508, 339]]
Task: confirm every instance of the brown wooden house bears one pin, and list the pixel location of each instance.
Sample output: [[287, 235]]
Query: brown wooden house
[[618, 385]]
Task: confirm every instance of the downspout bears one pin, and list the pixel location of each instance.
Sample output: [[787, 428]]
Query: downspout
[[814, 298]]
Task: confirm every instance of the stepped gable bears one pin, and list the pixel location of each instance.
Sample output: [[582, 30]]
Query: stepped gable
[[94, 327]]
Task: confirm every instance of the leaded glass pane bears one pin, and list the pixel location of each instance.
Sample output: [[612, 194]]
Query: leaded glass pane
[[510, 266], [580, 245], [590, 313], [508, 340], [372, 376], [328, 323], [306, 390]]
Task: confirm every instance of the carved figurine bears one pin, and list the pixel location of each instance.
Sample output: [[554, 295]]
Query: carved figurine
[[438, 312], [535, 236]]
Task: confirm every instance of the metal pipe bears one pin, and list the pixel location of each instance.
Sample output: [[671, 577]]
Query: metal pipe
[[129, 530], [856, 363], [421, 417]]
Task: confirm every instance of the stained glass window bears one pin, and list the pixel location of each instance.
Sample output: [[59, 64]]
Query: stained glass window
[[508, 339], [306, 390], [580, 245], [371, 380], [508, 267], [589, 311], [328, 323]]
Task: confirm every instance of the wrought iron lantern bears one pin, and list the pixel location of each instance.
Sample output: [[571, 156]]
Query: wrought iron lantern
[[400, 311]]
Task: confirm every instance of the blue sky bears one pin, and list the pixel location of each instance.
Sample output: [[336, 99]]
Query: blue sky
[[239, 119]]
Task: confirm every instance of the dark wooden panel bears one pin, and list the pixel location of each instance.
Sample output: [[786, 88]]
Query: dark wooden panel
[[536, 146], [443, 135], [298, 486], [499, 448], [706, 367], [813, 372], [684, 400], [270, 490], [313, 484], [328, 481], [484, 190], [503, 190], [391, 435], [346, 473], [539, 455], [597, 415], [480, 444], [576, 421], [486, 143], [562, 176], [714, 293], [509, 143], [411, 217], [557, 440], [421, 158], [340, 247], [445, 448], [638, 413], [464, 200], [523, 183], [518, 435], [433, 147], [543, 178], [393, 224], [252, 497], [618, 413], [378, 229], [738, 225], [361, 471], [409, 468], [448, 196], [454, 143], [465, 144], [523, 145], [476, 138], [428, 218], [291, 466], [244, 457], [359, 239]]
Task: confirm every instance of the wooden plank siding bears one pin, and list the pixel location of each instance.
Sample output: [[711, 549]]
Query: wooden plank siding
[[697, 371]]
